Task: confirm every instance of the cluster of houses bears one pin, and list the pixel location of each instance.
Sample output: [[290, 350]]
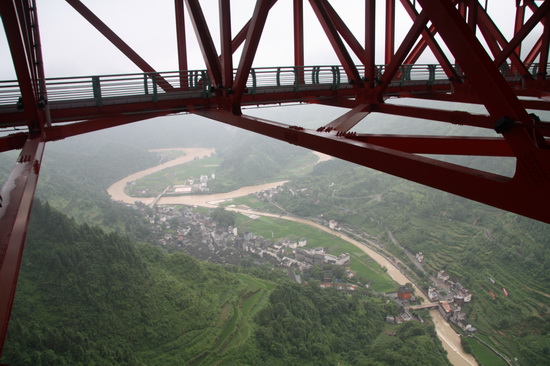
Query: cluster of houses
[[459, 293], [450, 306], [403, 297], [200, 236], [191, 185]]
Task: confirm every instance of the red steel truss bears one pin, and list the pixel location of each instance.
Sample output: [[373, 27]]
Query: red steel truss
[[477, 60]]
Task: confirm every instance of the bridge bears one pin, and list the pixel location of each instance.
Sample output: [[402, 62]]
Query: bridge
[[430, 305], [474, 58]]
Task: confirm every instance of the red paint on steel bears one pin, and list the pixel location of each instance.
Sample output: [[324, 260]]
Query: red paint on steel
[[518, 24], [345, 32], [206, 43], [255, 29], [319, 7], [18, 40], [428, 39], [390, 31], [226, 50], [492, 189], [117, 41], [17, 193], [181, 42], [370, 42], [298, 22]]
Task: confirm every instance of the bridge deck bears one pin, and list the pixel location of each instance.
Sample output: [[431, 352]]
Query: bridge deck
[[76, 98]]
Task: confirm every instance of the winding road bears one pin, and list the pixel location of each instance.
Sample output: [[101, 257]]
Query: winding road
[[449, 338]]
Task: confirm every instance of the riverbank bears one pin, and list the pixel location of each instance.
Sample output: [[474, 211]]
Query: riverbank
[[450, 339]]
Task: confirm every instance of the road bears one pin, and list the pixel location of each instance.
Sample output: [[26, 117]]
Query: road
[[449, 338]]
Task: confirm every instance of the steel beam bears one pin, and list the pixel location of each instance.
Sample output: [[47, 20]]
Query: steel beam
[[428, 39], [496, 41], [511, 194], [390, 31], [118, 42], [226, 50], [319, 7], [521, 33], [18, 39], [518, 24], [181, 42], [348, 120], [440, 145], [345, 32], [17, 198], [298, 22], [78, 128], [255, 29], [397, 60], [370, 43], [206, 44], [511, 119]]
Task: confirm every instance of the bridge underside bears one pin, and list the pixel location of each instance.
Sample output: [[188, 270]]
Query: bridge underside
[[508, 77]]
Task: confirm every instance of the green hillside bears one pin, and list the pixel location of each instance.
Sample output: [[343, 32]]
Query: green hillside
[[89, 298], [470, 241]]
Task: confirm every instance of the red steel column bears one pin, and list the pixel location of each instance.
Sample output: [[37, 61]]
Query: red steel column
[[520, 17], [182, 43], [543, 58], [17, 194], [226, 49], [17, 37], [370, 36], [118, 42], [390, 30], [206, 43], [254, 33], [337, 44], [298, 16]]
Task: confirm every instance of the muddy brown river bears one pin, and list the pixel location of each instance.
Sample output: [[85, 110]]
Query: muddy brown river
[[449, 338]]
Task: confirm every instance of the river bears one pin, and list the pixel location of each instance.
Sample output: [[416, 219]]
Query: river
[[449, 338]]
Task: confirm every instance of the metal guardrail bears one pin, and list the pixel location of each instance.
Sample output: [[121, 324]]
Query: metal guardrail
[[104, 87]]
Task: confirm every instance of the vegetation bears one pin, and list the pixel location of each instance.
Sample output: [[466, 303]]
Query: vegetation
[[86, 297], [154, 184], [470, 241], [259, 160], [90, 297]]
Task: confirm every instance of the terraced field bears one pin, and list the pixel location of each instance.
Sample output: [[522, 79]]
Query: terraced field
[[235, 326]]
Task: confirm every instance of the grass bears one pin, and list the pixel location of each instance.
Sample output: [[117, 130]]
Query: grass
[[253, 202], [484, 355], [155, 183], [235, 325], [298, 167], [278, 229]]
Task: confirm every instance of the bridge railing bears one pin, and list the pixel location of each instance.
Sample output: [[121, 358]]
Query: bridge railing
[[152, 86]]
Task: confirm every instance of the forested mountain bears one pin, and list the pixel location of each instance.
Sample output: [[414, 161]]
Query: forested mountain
[[255, 159], [90, 298], [171, 309], [485, 249], [76, 172]]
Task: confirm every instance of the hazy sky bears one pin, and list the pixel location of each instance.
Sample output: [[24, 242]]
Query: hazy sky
[[71, 46]]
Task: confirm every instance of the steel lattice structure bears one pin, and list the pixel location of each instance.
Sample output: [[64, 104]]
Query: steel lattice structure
[[475, 64]]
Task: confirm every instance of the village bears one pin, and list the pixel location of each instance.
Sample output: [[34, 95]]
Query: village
[[182, 228], [197, 234], [445, 295]]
